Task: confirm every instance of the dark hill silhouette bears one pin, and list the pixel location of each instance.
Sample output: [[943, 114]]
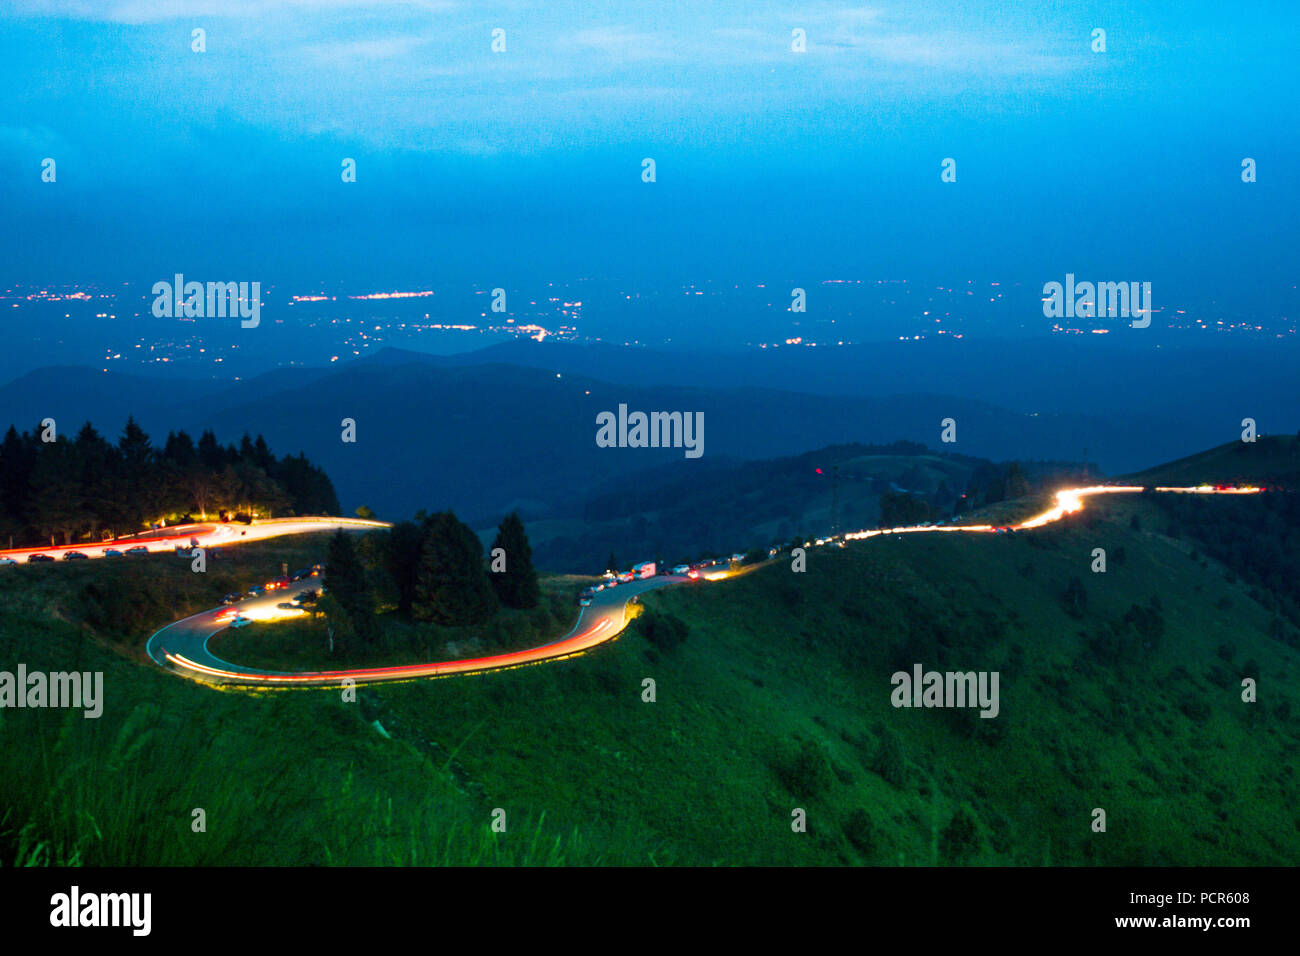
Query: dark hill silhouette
[[453, 432], [487, 438]]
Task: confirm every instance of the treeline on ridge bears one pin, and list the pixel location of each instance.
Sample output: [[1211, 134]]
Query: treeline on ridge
[[88, 488]]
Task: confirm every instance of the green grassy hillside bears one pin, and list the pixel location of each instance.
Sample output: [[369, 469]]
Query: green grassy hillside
[[1121, 691], [779, 698], [290, 779]]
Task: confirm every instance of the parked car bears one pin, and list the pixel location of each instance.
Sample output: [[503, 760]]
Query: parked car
[[288, 606], [256, 591], [7, 561], [73, 556], [241, 621], [31, 559], [138, 549], [112, 553], [232, 597], [681, 569], [584, 601]]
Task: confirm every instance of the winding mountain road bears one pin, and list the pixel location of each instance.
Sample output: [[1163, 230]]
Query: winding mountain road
[[183, 646]]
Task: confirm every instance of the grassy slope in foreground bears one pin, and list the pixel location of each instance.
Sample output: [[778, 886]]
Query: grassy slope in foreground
[[300, 778], [780, 698]]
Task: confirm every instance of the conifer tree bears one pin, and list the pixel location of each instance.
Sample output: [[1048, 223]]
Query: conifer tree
[[345, 580], [517, 585], [452, 585]]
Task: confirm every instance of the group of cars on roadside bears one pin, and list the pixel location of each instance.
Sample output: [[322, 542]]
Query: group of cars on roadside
[[276, 584], [41, 556], [647, 569]]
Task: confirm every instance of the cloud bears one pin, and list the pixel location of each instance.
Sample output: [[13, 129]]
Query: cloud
[[391, 73], [951, 51], [379, 48], [154, 11], [622, 43]]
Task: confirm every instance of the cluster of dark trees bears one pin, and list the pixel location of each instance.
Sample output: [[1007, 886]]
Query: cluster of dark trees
[[434, 570], [899, 510], [55, 489], [992, 482], [1131, 637]]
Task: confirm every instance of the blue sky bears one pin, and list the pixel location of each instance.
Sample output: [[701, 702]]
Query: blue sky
[[770, 163]]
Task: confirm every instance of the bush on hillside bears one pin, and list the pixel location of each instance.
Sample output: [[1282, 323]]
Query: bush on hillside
[[860, 831], [960, 838], [805, 772], [1075, 598], [1148, 621], [664, 631], [891, 762]]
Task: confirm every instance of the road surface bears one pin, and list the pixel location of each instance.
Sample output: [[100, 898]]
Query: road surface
[[183, 646], [208, 534]]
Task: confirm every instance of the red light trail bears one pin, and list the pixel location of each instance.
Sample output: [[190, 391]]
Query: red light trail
[[188, 638]]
